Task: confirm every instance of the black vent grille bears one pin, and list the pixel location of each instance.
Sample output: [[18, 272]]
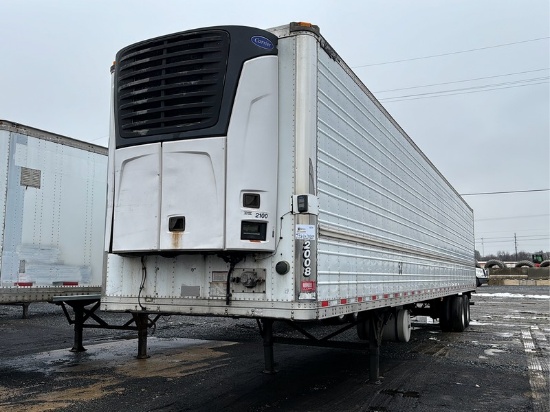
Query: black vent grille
[[171, 84]]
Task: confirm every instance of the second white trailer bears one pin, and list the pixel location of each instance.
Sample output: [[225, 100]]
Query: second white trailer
[[52, 210]]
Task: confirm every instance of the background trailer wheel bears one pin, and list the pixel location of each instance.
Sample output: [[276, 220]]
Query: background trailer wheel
[[458, 314], [454, 313], [445, 315], [466, 301], [398, 327]]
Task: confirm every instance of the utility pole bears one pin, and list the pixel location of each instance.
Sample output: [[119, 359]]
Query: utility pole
[[482, 248], [516, 246]]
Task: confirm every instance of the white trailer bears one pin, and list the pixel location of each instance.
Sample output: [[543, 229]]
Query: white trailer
[[52, 206], [253, 174]]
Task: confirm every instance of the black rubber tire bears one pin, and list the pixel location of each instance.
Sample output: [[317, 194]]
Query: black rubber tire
[[352, 317], [545, 263], [495, 262], [340, 319], [445, 315], [523, 263], [458, 314], [466, 301], [363, 329], [336, 320]]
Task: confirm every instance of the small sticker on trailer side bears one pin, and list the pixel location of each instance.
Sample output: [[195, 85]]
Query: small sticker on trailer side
[[305, 232]]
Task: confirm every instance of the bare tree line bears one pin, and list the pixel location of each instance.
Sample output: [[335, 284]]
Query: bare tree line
[[511, 256]]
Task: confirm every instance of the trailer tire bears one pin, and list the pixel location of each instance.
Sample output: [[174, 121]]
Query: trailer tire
[[404, 328], [466, 301], [335, 320], [398, 327], [445, 315], [523, 263], [363, 328], [458, 314], [495, 262], [545, 263]]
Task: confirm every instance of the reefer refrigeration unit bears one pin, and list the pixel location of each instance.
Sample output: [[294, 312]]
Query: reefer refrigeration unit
[[52, 205], [252, 173]]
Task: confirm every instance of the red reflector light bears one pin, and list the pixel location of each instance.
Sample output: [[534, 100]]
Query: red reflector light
[[308, 286], [324, 303]]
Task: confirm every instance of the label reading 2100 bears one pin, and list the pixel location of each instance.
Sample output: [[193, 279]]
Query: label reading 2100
[[256, 215]]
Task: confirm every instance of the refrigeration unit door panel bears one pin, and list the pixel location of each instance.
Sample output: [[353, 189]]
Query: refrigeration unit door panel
[[193, 193], [137, 198]]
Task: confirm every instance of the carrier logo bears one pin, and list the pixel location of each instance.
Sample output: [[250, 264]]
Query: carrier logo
[[262, 42]]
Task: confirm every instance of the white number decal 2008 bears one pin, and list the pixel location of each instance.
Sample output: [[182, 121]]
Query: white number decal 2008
[[306, 254]]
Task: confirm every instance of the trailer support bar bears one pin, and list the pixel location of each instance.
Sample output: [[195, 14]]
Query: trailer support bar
[[141, 320], [266, 330], [82, 314], [376, 325]]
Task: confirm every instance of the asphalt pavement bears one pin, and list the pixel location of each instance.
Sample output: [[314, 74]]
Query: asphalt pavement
[[500, 363]]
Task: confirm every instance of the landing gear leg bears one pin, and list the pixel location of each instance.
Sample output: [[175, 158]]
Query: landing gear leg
[[141, 320], [78, 328], [376, 325], [266, 329], [25, 310]]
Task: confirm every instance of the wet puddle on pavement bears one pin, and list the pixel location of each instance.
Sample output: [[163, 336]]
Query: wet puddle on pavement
[[101, 370]]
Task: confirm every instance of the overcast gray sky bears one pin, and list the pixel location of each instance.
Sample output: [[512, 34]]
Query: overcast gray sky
[[485, 135]]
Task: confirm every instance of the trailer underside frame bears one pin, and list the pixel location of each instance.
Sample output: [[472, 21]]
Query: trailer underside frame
[[370, 326], [376, 319]]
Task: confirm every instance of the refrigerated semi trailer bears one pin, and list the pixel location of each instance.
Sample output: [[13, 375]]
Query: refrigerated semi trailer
[[253, 174], [52, 208]]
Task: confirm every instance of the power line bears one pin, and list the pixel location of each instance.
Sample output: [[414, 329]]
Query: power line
[[449, 92], [450, 53], [511, 217], [533, 231], [93, 140], [520, 237], [453, 94], [530, 230], [461, 81], [510, 240], [472, 87], [505, 192]]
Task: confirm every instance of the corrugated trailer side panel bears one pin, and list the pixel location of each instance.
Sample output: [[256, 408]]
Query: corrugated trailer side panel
[[4, 151], [388, 221], [53, 216]]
